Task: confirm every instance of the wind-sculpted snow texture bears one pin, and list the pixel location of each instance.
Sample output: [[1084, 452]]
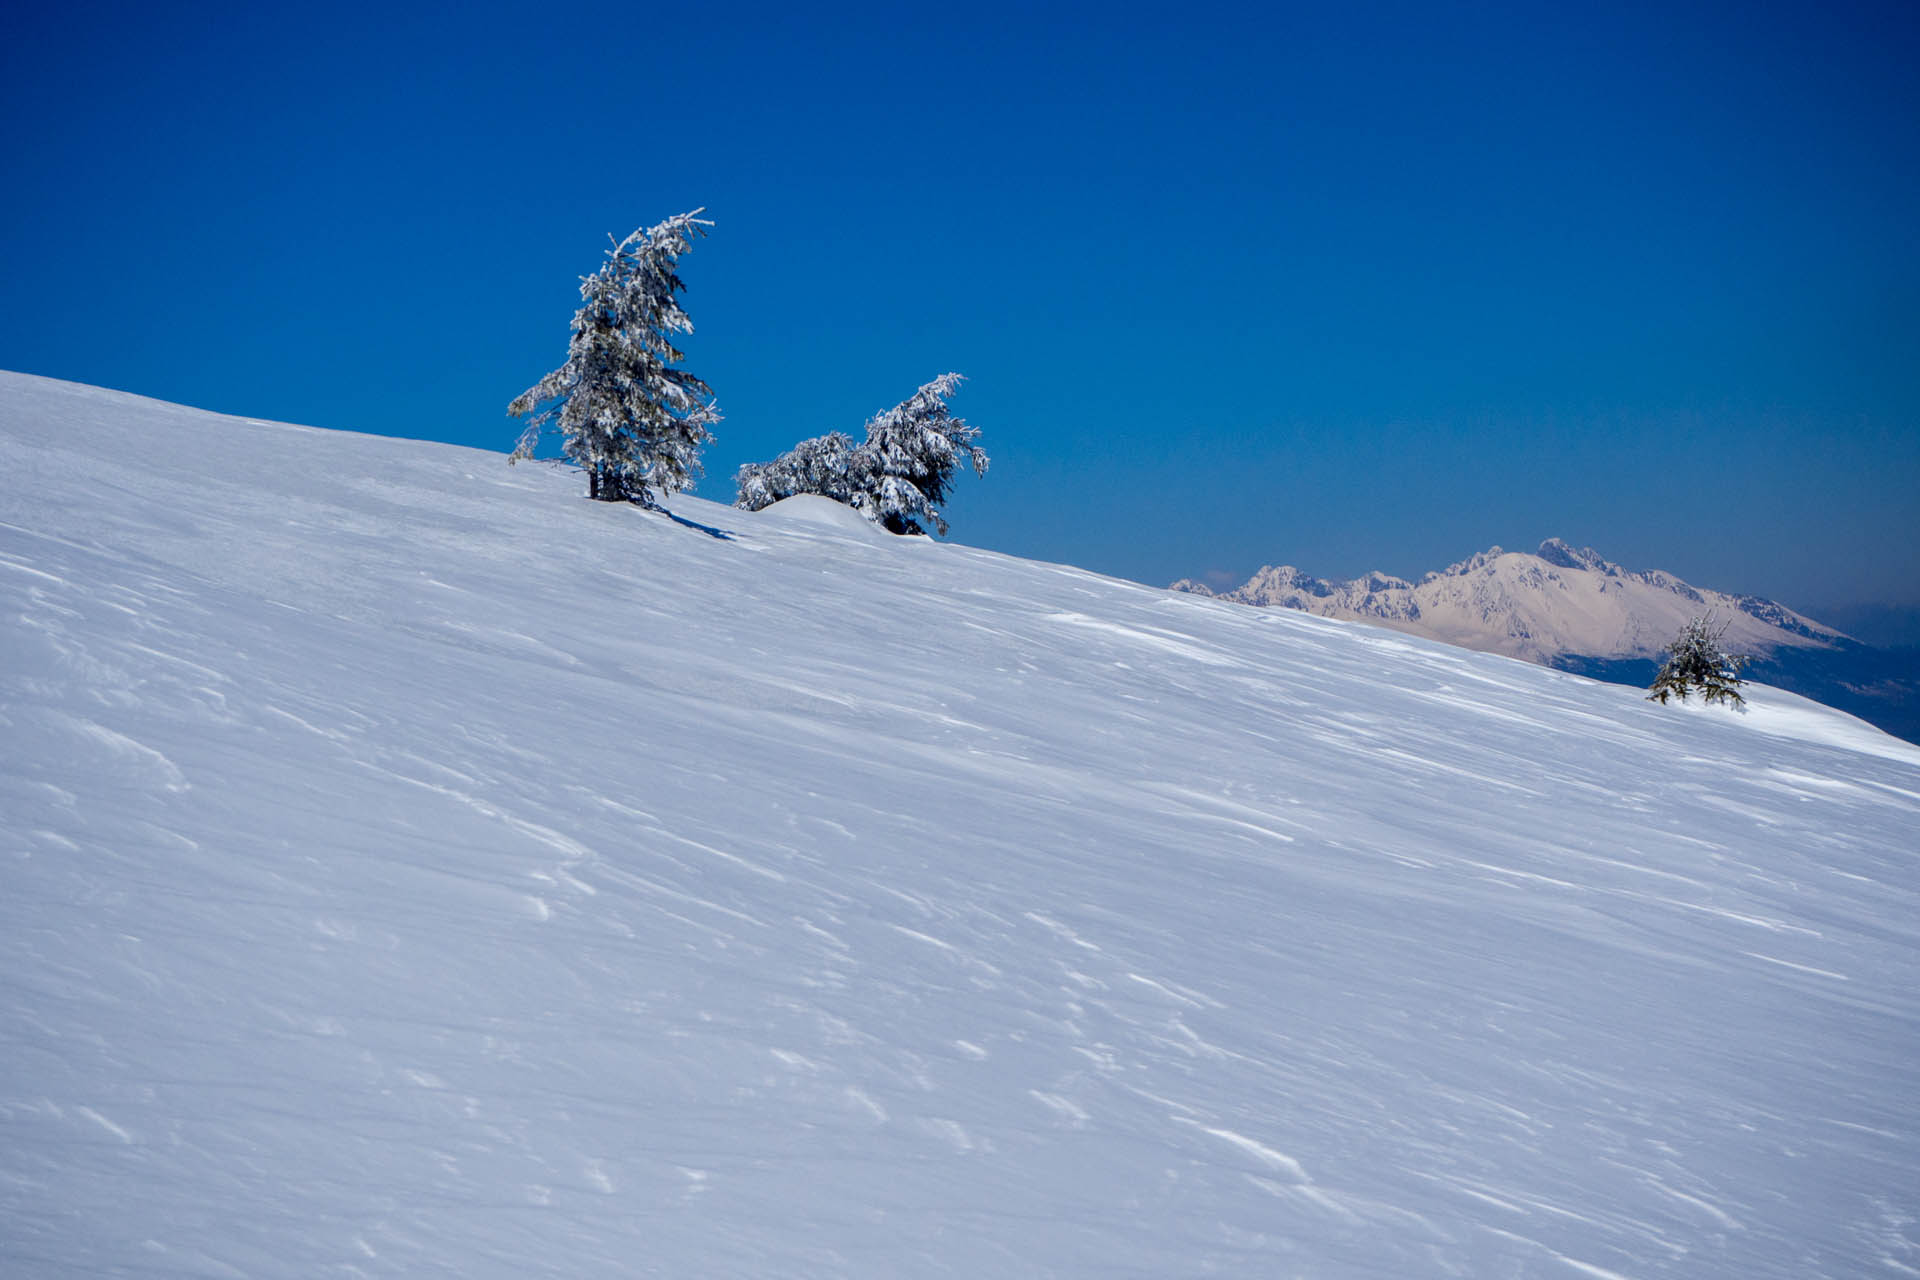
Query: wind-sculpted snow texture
[[414, 869]]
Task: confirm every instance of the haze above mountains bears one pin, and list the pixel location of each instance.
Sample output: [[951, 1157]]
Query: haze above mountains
[[1571, 608]]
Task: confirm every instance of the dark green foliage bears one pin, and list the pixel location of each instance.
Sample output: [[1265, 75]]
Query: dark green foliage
[[1696, 661]]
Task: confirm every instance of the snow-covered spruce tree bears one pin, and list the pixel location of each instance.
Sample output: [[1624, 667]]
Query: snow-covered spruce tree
[[623, 412], [1696, 660], [916, 446], [898, 475], [829, 465]]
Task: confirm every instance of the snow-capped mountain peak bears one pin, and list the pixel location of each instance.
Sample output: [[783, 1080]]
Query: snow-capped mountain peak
[[1560, 600], [1555, 551]]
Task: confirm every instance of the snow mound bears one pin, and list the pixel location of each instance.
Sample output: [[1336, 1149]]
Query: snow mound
[[415, 869], [812, 509]]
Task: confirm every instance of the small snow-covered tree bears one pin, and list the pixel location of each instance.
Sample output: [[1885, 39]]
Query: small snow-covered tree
[[898, 475], [917, 446], [829, 465], [1696, 660], [632, 420]]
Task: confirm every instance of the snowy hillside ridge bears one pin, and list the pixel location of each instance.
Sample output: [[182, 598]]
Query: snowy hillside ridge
[[1560, 600], [416, 869]]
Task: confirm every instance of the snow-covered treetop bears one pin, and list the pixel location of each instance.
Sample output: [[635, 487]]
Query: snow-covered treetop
[[1697, 660], [917, 445], [623, 411], [897, 476]]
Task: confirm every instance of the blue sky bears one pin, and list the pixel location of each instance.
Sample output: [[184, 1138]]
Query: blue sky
[[1345, 287]]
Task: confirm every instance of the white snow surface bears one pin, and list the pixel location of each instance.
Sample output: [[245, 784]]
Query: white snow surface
[[810, 508], [414, 869]]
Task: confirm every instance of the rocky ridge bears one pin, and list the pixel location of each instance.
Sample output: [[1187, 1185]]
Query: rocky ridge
[[1555, 602]]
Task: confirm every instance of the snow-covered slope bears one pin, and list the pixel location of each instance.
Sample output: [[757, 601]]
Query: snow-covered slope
[[1560, 601], [413, 869]]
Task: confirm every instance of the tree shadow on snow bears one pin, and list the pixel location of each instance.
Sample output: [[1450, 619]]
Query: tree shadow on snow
[[725, 535]]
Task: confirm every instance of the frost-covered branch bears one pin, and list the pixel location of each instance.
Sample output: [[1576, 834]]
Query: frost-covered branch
[[1696, 660], [632, 420], [899, 475]]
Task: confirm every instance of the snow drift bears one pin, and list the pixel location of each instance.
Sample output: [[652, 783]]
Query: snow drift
[[415, 869]]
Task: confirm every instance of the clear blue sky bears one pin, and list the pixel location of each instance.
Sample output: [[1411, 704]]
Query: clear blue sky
[[1343, 286]]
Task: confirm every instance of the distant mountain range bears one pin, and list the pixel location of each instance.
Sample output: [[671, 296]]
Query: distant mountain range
[[1570, 607]]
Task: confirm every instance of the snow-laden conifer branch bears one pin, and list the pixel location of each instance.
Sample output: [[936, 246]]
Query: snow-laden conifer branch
[[897, 476], [1697, 660], [624, 413]]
